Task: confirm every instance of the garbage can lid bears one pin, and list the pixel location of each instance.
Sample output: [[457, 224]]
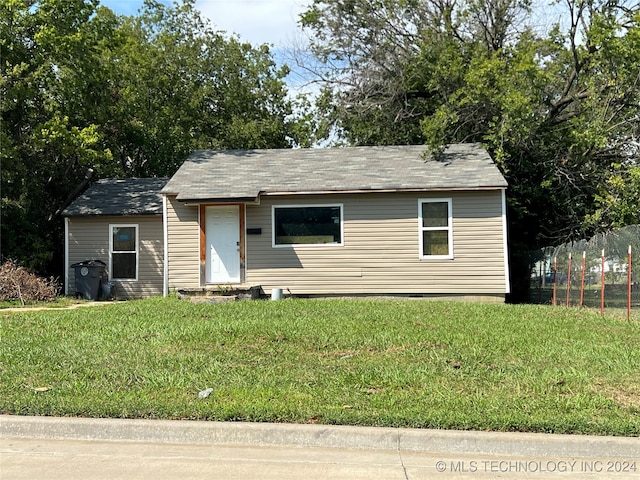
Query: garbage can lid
[[90, 263]]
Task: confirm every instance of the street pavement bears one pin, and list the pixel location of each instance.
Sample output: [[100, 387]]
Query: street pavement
[[88, 449]]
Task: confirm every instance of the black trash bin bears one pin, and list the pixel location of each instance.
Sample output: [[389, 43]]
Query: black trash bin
[[88, 277]]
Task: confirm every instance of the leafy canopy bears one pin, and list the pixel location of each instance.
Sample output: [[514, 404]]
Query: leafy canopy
[[87, 94], [558, 108]]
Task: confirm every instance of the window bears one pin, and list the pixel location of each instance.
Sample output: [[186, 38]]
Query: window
[[307, 225], [435, 227], [123, 252]]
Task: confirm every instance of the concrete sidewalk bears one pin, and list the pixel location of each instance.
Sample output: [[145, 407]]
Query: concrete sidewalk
[[57, 448]]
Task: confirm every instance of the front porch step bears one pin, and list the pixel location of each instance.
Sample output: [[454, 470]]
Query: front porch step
[[221, 294]]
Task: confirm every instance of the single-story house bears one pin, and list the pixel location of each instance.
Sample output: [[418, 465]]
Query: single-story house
[[120, 223], [337, 221]]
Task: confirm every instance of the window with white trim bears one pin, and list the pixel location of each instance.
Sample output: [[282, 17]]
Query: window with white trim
[[123, 252], [307, 225], [435, 228]]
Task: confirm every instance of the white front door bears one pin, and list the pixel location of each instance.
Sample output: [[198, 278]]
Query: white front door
[[222, 230]]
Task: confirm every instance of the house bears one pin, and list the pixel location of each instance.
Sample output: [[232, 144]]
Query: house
[[120, 223], [339, 221]]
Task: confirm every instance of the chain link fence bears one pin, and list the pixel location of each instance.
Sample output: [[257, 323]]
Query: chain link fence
[[591, 273]]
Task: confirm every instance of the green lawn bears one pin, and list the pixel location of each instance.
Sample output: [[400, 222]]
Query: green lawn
[[359, 362]]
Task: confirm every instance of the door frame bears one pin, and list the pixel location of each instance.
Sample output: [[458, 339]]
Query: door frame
[[202, 220]]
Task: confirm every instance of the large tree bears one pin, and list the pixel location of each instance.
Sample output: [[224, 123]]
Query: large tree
[[559, 109], [87, 94], [180, 85], [45, 153]]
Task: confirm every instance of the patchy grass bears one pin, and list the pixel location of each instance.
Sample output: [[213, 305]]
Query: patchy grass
[[59, 302], [620, 313], [358, 362]]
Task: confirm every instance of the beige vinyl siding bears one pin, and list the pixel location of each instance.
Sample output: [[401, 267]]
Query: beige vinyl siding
[[183, 244], [89, 240], [381, 248]]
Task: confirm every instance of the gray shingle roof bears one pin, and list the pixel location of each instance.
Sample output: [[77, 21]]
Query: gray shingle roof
[[131, 196], [244, 175]]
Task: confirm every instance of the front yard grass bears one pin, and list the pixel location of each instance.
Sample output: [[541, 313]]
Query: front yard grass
[[357, 362]]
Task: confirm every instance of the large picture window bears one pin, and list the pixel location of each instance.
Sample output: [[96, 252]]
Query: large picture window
[[123, 252], [307, 225], [435, 228]]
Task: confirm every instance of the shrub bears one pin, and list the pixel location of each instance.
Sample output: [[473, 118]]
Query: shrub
[[17, 283]]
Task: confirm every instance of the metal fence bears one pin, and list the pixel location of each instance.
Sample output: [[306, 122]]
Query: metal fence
[[598, 273]]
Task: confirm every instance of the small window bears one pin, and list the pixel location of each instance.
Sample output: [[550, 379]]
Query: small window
[[124, 252], [307, 225], [435, 227]]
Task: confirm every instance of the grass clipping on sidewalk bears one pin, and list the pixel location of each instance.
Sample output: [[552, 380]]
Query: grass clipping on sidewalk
[[357, 362]]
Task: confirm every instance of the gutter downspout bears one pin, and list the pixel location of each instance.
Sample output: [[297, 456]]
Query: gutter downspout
[[165, 232], [504, 242], [66, 255]]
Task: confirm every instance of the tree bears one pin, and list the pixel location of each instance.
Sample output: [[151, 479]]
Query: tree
[[617, 201], [45, 155], [558, 110], [89, 94], [362, 51], [179, 85]]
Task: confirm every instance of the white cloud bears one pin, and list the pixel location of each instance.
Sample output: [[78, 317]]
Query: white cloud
[[274, 22], [256, 21]]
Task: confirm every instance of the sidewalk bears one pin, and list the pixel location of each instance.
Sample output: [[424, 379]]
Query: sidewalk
[[57, 448], [73, 306]]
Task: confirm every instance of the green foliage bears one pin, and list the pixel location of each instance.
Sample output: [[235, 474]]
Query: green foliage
[[45, 153], [181, 86], [559, 110], [617, 200], [88, 94]]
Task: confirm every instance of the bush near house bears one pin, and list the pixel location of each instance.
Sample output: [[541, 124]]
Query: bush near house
[[17, 283]]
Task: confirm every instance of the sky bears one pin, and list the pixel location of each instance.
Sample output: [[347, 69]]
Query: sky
[[255, 21]]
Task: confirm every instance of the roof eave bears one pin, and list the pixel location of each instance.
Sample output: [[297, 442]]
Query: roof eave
[[382, 190], [119, 214], [218, 200], [256, 199]]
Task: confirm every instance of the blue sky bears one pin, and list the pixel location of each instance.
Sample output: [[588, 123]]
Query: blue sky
[[255, 21]]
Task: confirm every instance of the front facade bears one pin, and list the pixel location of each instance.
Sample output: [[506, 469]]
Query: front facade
[[353, 221], [348, 221]]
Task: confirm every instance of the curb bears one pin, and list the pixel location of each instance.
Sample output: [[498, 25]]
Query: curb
[[320, 436]]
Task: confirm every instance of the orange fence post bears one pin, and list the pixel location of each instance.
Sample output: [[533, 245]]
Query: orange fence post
[[569, 280], [602, 289]]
